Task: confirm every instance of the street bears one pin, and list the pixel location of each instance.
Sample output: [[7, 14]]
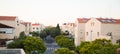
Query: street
[[50, 47]]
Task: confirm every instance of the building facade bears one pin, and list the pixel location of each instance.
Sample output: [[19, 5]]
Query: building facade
[[36, 27], [28, 27], [69, 27], [13, 21], [80, 30], [98, 28]]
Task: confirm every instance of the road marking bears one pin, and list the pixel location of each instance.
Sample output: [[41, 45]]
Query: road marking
[[51, 48]]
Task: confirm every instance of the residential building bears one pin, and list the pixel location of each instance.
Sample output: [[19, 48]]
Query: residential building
[[36, 27], [6, 33], [80, 30], [68, 27], [98, 28], [28, 27], [13, 21]]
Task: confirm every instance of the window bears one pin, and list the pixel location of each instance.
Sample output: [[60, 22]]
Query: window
[[6, 31], [2, 32], [92, 23], [87, 33], [17, 21], [109, 33], [33, 28], [37, 28], [17, 24], [98, 34]]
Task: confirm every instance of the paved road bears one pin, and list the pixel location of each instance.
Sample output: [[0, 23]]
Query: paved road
[[51, 47]]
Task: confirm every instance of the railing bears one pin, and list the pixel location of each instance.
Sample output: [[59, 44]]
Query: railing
[[12, 51]]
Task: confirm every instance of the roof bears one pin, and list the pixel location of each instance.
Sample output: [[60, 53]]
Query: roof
[[109, 20], [8, 18], [36, 24], [83, 20], [4, 26], [25, 22], [71, 24]]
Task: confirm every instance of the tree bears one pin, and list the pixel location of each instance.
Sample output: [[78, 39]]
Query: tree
[[65, 42], [16, 44], [52, 31], [22, 35], [63, 51], [34, 33], [58, 27], [34, 43], [43, 34], [97, 47], [29, 44]]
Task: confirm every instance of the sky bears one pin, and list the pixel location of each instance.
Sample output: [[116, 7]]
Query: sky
[[52, 12]]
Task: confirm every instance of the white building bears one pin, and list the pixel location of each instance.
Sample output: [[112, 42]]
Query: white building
[[97, 28], [70, 27], [37, 27], [28, 27], [80, 30]]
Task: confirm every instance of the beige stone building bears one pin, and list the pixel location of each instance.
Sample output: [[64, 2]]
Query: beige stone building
[[69, 27], [97, 28], [6, 33], [36, 27], [28, 27], [13, 21], [80, 30]]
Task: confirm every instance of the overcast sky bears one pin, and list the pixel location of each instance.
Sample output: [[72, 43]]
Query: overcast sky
[[51, 12]]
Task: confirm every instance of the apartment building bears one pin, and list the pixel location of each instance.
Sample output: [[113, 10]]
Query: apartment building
[[28, 26], [69, 27], [80, 30], [98, 28], [6, 33], [37, 27], [13, 21]]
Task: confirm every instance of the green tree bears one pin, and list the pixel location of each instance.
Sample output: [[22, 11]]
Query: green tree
[[43, 34], [53, 31], [34, 33], [59, 30], [29, 44], [22, 35], [34, 43], [65, 42], [16, 44], [63, 51], [97, 47]]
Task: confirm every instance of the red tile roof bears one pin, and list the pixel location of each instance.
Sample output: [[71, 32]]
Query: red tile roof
[[8, 18], [26, 22], [83, 20], [36, 24], [109, 20]]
